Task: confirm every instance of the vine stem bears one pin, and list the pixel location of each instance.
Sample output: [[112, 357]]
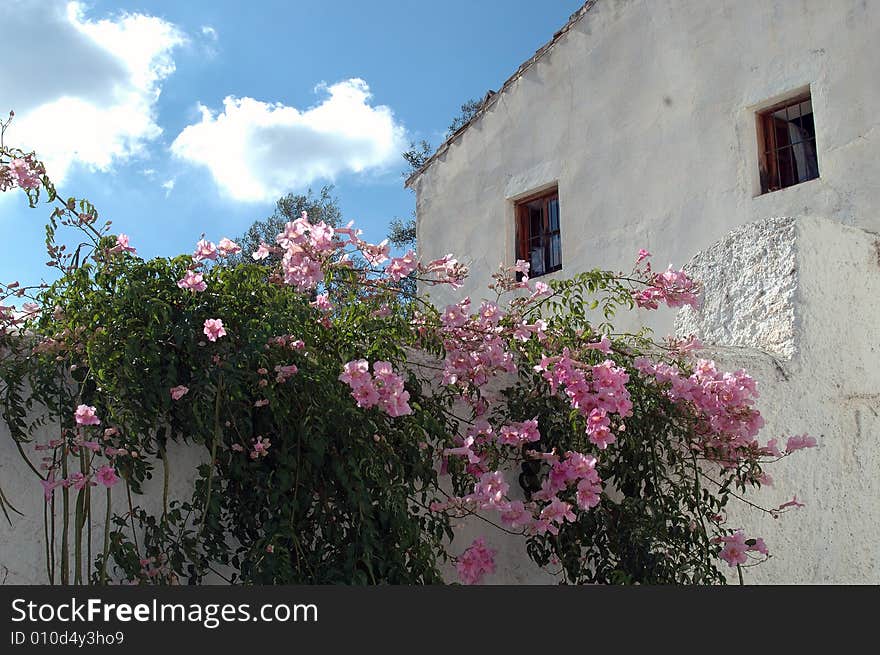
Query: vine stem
[[131, 516], [215, 438], [65, 508], [164, 455], [106, 541], [80, 521]]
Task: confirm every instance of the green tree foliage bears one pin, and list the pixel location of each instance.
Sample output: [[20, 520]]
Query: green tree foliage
[[323, 206]]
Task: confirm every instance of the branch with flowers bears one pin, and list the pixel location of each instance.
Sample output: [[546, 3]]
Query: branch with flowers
[[346, 423]]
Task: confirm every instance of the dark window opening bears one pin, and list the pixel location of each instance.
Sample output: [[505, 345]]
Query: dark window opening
[[787, 139], [538, 237]]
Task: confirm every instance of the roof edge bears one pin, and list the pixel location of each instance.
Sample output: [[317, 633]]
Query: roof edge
[[492, 96]]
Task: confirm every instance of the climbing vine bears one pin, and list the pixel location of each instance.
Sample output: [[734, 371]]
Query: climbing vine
[[343, 422]]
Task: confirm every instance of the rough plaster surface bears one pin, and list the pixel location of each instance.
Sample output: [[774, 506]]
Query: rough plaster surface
[[749, 281]]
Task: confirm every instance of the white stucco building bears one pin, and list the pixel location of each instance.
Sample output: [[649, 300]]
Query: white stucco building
[[685, 127], [644, 118]]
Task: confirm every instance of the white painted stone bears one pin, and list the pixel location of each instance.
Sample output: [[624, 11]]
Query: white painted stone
[[749, 281]]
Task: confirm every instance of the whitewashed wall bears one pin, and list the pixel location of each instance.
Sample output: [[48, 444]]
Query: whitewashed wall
[[22, 545], [643, 113]]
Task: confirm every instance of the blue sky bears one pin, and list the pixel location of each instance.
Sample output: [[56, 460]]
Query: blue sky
[[126, 99]]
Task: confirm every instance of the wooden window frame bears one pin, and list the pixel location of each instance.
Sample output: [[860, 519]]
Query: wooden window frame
[[525, 240], [770, 176]]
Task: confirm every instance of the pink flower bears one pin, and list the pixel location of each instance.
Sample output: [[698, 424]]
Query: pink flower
[[588, 494], [366, 395], [475, 562], [49, 485], [228, 247], [603, 345], [375, 254], [284, 373], [464, 451], [734, 552], [204, 250], [261, 253], [490, 491], [672, 287], [85, 415], [192, 281], [322, 302], [798, 442], [356, 373], [122, 245], [794, 502], [179, 392], [260, 448], [515, 515], [107, 476], [517, 434], [400, 267], [214, 329], [643, 254], [558, 511]]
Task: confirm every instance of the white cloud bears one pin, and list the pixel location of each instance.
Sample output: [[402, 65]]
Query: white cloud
[[210, 32], [83, 90], [258, 151], [168, 185]]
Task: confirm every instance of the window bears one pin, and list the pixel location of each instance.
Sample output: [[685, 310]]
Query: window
[[538, 239], [787, 142]]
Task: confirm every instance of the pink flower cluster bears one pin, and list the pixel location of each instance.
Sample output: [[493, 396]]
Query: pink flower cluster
[[305, 247], [106, 475], [24, 172], [192, 281], [475, 562], [674, 288], [595, 391], [383, 388], [723, 404], [576, 470], [214, 329], [260, 448], [283, 372], [400, 267], [475, 346], [85, 415], [517, 434], [574, 475], [208, 250]]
